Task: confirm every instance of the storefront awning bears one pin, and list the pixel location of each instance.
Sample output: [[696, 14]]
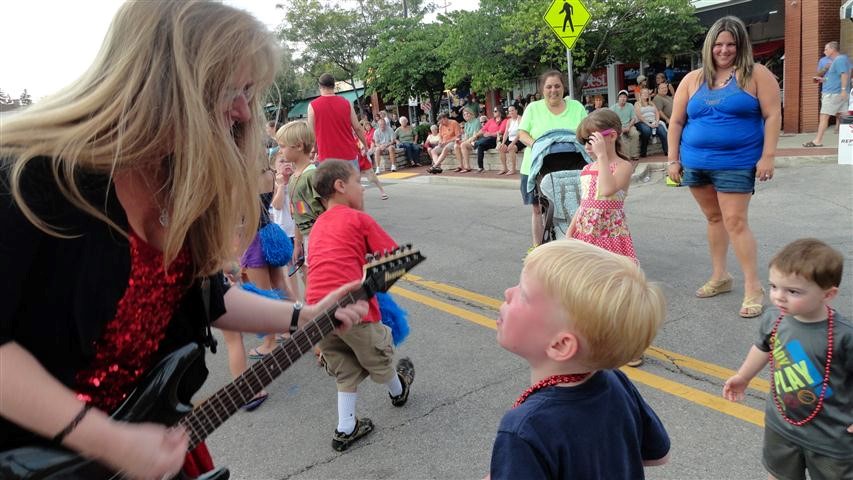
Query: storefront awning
[[847, 10], [768, 48], [750, 11], [299, 110], [352, 95]]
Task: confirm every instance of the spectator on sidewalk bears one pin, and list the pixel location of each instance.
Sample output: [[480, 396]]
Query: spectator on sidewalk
[[660, 79], [384, 143], [664, 102], [630, 135], [449, 133], [833, 100], [648, 122], [463, 149], [407, 139], [488, 136], [510, 145], [333, 121]]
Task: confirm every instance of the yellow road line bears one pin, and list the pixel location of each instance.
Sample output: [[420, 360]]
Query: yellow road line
[[682, 361], [445, 307], [459, 292], [714, 402], [397, 175], [758, 384]]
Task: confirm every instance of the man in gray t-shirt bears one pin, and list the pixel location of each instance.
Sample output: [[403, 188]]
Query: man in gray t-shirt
[[630, 135]]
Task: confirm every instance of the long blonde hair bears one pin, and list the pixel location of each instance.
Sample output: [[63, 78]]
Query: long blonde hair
[[743, 61], [157, 95]]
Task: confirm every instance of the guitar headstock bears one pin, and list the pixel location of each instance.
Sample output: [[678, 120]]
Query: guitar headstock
[[383, 269]]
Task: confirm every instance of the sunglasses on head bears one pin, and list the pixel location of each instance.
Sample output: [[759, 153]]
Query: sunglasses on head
[[603, 133]]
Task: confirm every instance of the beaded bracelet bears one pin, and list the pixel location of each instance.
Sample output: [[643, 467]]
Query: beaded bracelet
[[71, 426]]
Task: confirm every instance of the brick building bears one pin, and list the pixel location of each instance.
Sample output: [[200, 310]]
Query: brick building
[[800, 28]]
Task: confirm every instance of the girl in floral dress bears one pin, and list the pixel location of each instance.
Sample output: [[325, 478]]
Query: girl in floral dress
[[600, 220]]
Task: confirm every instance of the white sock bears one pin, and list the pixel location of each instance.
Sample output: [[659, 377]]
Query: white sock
[[395, 388], [346, 411]]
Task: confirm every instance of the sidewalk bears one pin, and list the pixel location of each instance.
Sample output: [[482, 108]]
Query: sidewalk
[[789, 153]]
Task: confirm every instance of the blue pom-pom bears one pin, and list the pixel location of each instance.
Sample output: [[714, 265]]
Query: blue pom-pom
[[276, 246], [393, 317], [273, 294]]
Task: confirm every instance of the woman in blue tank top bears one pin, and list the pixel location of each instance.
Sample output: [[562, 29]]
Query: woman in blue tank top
[[722, 136]]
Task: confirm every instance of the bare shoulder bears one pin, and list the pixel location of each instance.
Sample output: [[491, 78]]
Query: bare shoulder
[[690, 82]]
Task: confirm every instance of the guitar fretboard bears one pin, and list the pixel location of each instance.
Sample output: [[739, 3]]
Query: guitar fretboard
[[212, 412]]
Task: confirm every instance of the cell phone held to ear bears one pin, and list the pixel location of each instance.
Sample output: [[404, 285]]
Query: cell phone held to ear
[[291, 270]]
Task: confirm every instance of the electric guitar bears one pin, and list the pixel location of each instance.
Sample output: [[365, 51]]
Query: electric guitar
[[156, 399]]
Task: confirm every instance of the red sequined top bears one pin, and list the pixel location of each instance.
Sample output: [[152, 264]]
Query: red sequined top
[[129, 341]]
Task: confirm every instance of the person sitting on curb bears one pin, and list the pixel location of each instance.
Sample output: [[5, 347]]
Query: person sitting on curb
[[463, 149], [487, 137], [383, 142], [630, 135], [449, 134], [648, 123]]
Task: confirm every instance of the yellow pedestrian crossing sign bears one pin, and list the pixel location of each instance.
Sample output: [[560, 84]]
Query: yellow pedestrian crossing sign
[[567, 18]]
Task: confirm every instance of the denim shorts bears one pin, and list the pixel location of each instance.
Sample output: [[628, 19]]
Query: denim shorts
[[726, 181], [529, 198]]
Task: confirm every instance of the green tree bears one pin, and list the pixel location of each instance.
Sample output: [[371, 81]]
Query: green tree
[[405, 62], [625, 30], [475, 49], [289, 83], [333, 34]]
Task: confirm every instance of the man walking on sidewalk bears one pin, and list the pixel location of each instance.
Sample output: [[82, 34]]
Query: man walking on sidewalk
[[835, 84]]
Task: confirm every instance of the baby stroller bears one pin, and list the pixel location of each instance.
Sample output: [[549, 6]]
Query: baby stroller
[[554, 177]]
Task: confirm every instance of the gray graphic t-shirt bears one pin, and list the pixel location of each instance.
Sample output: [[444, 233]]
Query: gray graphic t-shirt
[[799, 354]]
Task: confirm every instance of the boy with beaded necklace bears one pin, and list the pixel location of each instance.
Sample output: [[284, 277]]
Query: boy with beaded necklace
[[578, 312], [809, 345]]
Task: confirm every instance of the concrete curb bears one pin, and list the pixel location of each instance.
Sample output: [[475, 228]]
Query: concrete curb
[[643, 170]]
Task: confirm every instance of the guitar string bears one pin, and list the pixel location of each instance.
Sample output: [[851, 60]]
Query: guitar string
[[303, 340]]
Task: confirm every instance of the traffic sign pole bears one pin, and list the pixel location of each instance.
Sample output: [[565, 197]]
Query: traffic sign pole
[[571, 77]]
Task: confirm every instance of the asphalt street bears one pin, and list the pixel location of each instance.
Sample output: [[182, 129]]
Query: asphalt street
[[475, 238]]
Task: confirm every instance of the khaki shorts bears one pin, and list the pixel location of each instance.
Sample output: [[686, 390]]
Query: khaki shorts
[[786, 460], [832, 104], [365, 350]]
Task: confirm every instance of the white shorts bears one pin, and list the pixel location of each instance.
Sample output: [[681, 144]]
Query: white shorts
[[832, 103]]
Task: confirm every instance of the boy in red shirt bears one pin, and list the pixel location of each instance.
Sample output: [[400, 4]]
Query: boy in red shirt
[[340, 239]]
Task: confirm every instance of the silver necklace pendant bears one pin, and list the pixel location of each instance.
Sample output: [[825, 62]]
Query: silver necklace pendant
[[164, 217]]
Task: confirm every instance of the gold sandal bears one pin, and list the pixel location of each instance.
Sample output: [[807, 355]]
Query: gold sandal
[[753, 305], [712, 288]]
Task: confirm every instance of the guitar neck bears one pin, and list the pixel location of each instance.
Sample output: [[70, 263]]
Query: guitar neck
[[212, 412]]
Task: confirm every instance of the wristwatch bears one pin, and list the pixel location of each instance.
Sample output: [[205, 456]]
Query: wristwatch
[[294, 319]]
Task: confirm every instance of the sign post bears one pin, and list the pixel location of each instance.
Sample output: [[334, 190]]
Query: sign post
[[567, 19]]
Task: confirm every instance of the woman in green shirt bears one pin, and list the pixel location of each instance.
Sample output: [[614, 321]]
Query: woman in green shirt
[[554, 111], [407, 138], [465, 148]]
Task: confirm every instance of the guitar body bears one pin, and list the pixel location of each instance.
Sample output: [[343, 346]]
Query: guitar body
[[155, 400]]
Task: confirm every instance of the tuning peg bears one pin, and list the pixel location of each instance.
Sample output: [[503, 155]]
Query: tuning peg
[[408, 246], [368, 257]]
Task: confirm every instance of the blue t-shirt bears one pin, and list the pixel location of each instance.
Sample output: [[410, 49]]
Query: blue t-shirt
[[724, 129], [832, 79], [601, 429]]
